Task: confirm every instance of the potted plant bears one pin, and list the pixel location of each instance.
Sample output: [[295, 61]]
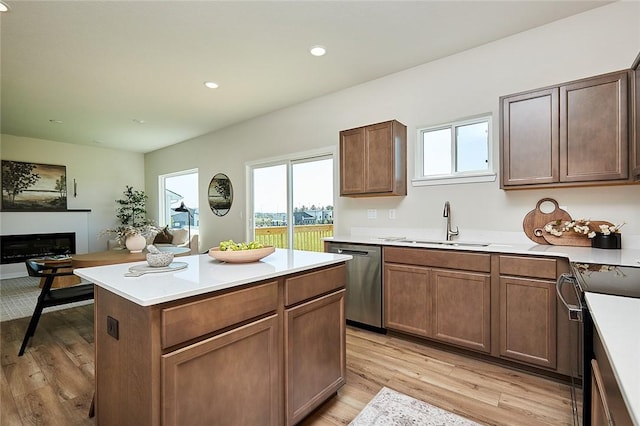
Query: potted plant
[[134, 227]]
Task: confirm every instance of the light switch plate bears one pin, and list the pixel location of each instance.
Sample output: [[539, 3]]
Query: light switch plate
[[392, 213], [372, 214]]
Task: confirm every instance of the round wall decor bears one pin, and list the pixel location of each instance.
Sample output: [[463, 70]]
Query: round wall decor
[[220, 194]]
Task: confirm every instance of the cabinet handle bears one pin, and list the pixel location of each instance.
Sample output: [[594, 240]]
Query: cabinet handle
[[575, 311]]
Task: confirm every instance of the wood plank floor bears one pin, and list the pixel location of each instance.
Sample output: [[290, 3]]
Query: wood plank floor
[[52, 384]]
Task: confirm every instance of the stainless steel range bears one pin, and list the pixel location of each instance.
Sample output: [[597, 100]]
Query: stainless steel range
[[623, 281]]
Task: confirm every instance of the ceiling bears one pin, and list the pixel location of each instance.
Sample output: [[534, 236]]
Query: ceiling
[[129, 74]]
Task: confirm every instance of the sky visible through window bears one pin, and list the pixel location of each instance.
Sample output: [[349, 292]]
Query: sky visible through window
[[313, 185], [185, 185]]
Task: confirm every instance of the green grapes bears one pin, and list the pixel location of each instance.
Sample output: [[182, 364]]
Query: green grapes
[[230, 245]]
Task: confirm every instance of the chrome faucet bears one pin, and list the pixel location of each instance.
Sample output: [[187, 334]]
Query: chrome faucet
[[447, 213]]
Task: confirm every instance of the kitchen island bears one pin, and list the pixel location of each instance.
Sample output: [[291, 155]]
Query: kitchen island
[[258, 343]]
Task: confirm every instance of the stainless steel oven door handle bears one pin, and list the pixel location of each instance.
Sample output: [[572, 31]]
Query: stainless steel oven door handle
[[575, 311]]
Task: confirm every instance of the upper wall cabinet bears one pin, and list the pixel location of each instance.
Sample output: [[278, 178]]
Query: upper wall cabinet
[[573, 134], [373, 160], [635, 152]]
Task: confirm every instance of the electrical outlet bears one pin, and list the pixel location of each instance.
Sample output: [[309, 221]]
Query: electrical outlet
[[392, 213], [372, 214], [112, 327]]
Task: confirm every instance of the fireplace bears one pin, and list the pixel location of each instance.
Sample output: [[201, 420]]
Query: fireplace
[[18, 248]]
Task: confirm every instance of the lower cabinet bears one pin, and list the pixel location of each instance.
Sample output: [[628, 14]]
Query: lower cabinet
[[315, 363], [450, 306], [407, 299], [528, 320], [224, 367], [600, 413], [498, 304], [462, 309], [608, 406]]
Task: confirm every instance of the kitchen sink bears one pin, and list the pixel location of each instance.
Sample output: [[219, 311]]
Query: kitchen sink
[[445, 243]]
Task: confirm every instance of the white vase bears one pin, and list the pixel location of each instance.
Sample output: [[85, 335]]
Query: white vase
[[135, 243]]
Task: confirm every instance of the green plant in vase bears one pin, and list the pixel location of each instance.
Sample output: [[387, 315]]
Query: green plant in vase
[[131, 212]]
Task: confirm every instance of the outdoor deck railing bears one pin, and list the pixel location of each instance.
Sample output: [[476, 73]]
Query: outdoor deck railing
[[306, 237]]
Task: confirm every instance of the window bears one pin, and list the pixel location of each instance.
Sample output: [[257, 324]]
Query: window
[[291, 201], [457, 152], [175, 189]]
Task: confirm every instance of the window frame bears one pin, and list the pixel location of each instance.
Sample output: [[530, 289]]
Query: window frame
[[288, 160], [454, 177], [162, 205]]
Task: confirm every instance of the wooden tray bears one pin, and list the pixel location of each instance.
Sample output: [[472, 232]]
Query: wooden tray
[[536, 219]]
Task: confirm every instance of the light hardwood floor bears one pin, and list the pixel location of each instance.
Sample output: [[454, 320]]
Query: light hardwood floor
[[53, 382]]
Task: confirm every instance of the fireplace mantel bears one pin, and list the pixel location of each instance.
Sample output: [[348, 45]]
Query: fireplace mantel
[[39, 222], [47, 211]]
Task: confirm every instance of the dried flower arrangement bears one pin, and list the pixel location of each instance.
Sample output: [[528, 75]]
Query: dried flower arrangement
[[581, 227]]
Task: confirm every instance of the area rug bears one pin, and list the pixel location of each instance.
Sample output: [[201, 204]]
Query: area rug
[[18, 297], [391, 408]]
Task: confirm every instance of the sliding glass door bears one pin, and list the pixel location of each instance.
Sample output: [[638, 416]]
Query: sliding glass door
[[292, 202]]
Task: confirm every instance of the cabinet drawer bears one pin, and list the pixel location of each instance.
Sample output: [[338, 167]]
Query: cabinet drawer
[[449, 259], [306, 286], [536, 267], [188, 321]]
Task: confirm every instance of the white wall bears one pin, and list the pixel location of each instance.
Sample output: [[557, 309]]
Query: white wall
[[101, 175], [599, 41]]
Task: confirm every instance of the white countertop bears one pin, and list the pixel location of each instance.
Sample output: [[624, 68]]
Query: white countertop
[[617, 320], [623, 257], [202, 275]]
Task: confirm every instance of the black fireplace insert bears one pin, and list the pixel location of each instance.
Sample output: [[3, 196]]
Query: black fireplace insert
[[18, 248]]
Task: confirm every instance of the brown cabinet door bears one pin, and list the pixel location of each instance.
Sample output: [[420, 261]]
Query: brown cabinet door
[[528, 321], [529, 138], [635, 126], [315, 354], [462, 308], [407, 299], [373, 160], [352, 161], [379, 167], [594, 144], [600, 414], [225, 368]]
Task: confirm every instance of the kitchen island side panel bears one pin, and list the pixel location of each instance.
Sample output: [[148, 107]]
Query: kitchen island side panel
[[127, 372]]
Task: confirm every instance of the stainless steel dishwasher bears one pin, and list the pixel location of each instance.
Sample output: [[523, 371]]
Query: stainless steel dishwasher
[[364, 284]]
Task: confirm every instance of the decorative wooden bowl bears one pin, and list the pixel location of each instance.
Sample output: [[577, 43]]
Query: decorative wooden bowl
[[241, 256]]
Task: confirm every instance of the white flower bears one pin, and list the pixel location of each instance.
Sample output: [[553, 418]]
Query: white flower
[[605, 229], [591, 234]]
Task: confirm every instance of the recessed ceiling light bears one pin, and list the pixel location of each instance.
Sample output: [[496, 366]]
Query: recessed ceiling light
[[211, 84], [55, 121], [4, 7], [137, 121], [318, 50]]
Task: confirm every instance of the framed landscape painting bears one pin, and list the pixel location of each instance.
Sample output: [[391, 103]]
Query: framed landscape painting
[[33, 186]]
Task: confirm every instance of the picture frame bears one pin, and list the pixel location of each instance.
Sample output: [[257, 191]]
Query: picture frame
[[220, 194], [33, 186]]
